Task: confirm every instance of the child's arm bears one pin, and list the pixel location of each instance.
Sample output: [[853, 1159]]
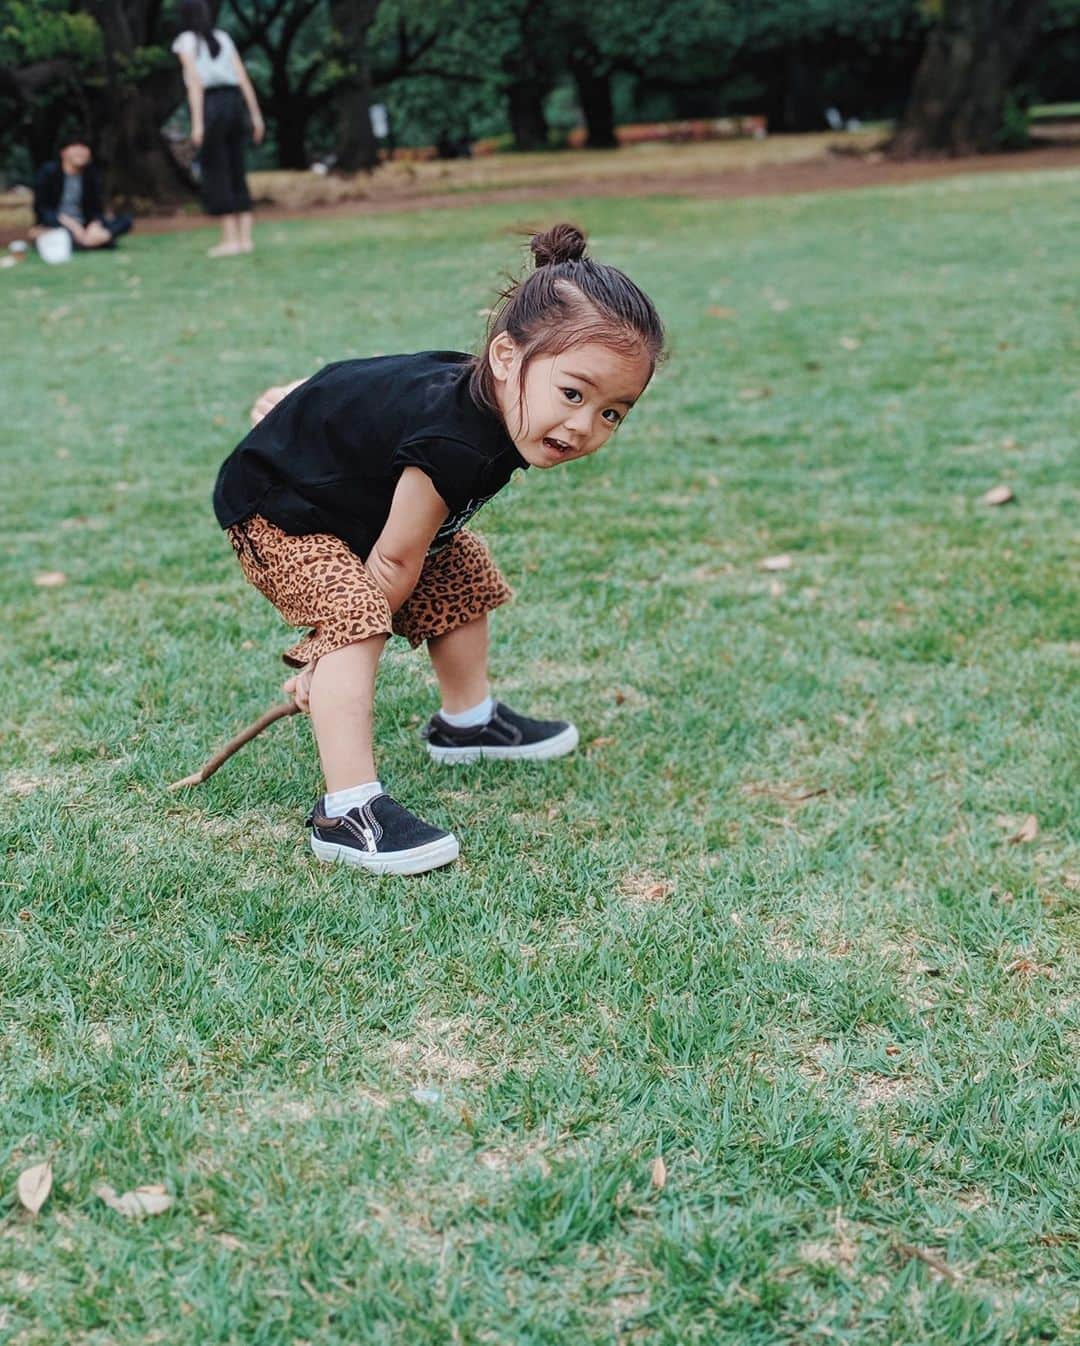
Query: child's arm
[[397, 557], [269, 398]]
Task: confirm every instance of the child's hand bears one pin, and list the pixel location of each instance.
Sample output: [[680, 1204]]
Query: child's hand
[[269, 399], [266, 401], [299, 687]]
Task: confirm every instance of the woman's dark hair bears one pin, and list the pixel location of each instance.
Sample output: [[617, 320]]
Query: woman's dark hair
[[569, 300], [195, 17], [73, 133]]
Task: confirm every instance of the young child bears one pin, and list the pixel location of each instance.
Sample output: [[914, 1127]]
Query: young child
[[347, 503]]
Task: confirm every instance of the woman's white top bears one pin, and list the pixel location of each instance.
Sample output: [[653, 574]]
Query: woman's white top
[[214, 71]]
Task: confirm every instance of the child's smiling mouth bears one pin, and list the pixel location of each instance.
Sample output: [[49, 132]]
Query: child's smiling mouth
[[559, 445]]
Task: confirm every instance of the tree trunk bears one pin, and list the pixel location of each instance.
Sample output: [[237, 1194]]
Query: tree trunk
[[356, 144], [525, 108], [137, 163], [290, 119], [804, 104], [41, 118], [291, 137], [958, 98], [594, 95]]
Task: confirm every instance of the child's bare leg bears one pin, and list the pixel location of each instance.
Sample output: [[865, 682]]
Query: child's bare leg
[[471, 725], [342, 699], [243, 231], [357, 825], [460, 660]]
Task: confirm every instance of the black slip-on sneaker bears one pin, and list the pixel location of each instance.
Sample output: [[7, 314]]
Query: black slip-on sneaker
[[507, 736], [382, 837]]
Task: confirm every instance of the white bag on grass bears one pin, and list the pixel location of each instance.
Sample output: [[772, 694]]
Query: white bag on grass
[[54, 246]]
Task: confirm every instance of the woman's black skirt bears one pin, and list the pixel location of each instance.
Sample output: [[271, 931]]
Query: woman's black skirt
[[225, 134]]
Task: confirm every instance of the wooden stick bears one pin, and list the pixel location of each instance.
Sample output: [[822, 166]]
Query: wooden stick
[[245, 736], [942, 1268]]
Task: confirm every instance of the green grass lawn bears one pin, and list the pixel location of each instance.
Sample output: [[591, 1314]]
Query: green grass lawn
[[766, 924]]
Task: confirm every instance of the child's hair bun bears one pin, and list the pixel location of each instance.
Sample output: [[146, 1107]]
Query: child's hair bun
[[561, 243]]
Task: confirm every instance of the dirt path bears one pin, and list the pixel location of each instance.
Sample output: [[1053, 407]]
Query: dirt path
[[831, 172]]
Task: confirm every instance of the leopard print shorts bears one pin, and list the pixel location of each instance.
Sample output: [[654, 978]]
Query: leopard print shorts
[[317, 581]]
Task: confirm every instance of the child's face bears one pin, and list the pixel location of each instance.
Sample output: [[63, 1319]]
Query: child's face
[[572, 402]]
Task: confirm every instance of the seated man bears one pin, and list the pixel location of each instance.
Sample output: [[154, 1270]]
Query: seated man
[[67, 194]]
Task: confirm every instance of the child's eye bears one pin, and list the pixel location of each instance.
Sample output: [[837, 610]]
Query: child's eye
[[573, 394], [612, 417]]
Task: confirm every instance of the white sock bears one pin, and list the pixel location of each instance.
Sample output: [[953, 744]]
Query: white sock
[[336, 805], [471, 718]]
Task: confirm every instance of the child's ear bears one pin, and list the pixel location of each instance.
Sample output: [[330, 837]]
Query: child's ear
[[502, 356]]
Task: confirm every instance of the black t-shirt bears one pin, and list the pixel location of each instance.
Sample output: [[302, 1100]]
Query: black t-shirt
[[328, 457]]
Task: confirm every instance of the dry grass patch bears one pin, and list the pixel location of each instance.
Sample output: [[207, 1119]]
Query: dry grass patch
[[437, 1050], [875, 1091], [572, 169], [645, 888], [23, 783], [508, 1158], [294, 1110], [839, 1250], [820, 1062]]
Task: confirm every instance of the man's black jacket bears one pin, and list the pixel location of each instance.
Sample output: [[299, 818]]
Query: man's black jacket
[[48, 186]]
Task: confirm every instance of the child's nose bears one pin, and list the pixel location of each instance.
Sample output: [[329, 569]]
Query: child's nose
[[580, 421]]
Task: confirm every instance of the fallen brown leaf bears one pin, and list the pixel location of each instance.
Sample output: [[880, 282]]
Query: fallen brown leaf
[[1027, 967], [646, 887], [658, 1176], [149, 1200], [998, 495], [719, 311], [850, 343], [50, 579], [754, 394], [781, 562], [34, 1186], [1028, 831]]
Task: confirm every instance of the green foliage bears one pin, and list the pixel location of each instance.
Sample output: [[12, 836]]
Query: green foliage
[[42, 30], [1015, 132], [142, 63], [724, 50]]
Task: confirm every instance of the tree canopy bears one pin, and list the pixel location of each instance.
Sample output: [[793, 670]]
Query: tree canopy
[[955, 73]]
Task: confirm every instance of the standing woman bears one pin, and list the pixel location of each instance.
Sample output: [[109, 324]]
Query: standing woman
[[218, 88]]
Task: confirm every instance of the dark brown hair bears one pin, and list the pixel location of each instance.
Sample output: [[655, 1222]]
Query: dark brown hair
[[195, 17], [567, 301]]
